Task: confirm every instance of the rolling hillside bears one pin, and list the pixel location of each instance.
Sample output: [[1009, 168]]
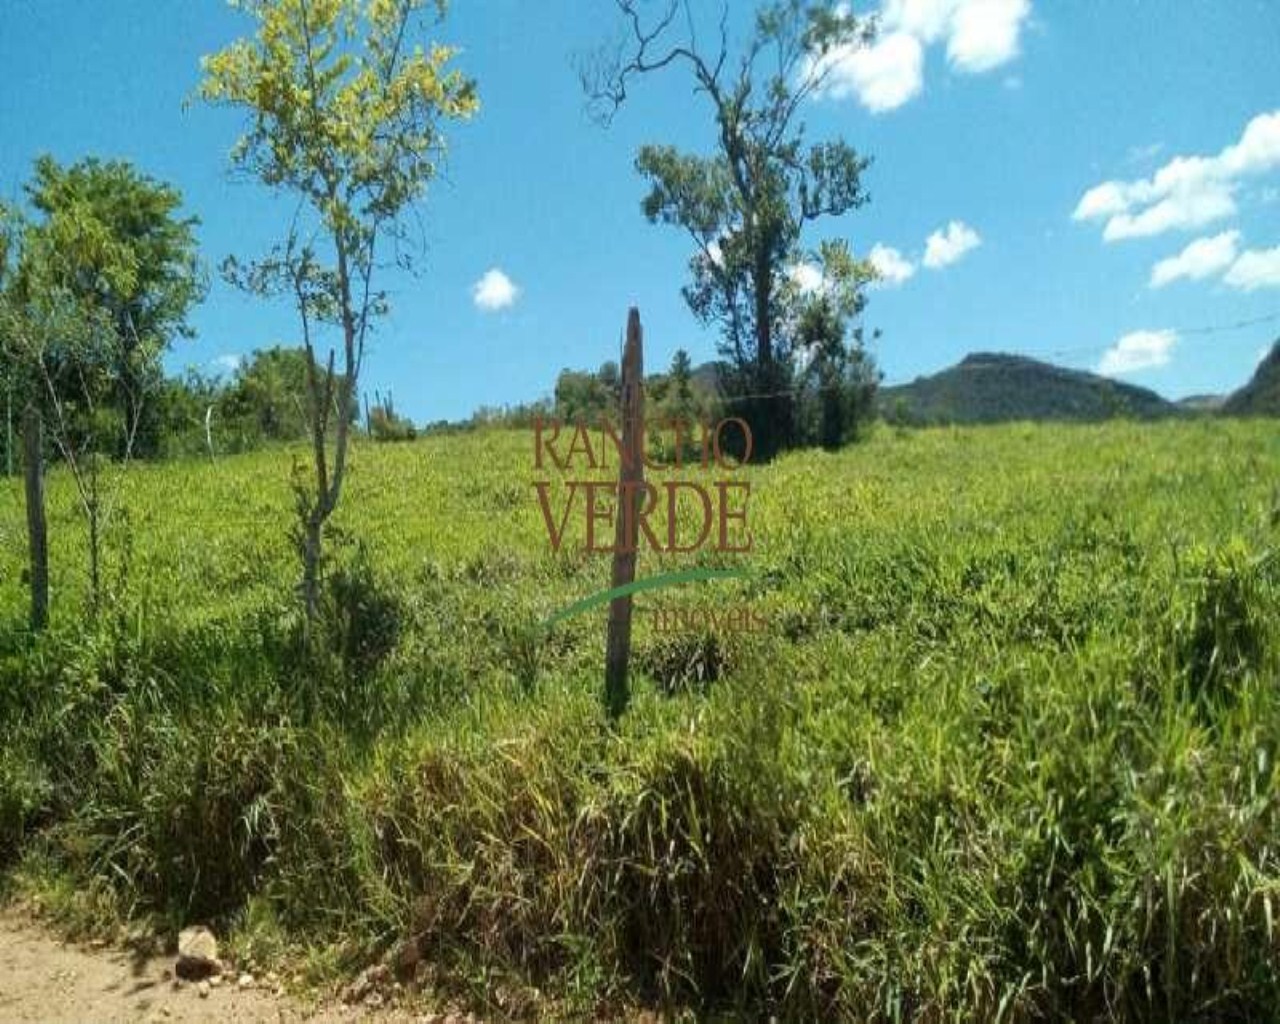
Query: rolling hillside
[[1261, 396], [995, 388]]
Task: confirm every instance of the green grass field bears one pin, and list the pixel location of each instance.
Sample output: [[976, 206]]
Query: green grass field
[[1004, 749]]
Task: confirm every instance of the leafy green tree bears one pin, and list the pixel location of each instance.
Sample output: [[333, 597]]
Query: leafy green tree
[[610, 378], [105, 214], [682, 376], [677, 399], [263, 401], [69, 356], [22, 385], [97, 286], [345, 113], [586, 397], [838, 385], [680, 401], [747, 203], [267, 399]]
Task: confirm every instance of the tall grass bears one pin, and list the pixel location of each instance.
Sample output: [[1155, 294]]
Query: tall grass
[[1005, 751]]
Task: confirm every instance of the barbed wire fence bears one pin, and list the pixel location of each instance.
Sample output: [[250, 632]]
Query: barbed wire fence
[[1073, 353], [248, 520], [1045, 356]]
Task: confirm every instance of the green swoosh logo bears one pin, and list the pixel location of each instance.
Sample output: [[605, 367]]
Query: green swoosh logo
[[670, 579]]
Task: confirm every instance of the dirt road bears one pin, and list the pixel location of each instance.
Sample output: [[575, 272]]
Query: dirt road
[[45, 980]]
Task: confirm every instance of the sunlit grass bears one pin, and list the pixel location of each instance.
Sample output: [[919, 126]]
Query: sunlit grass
[[1004, 750]]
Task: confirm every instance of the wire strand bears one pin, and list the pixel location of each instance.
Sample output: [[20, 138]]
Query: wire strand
[[1062, 353]]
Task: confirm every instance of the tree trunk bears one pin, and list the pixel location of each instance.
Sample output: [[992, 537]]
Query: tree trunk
[[311, 550], [771, 407], [312, 511], [764, 328], [328, 484], [37, 529]]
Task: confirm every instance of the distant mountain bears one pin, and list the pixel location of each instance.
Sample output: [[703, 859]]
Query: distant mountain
[[1202, 403], [991, 387], [996, 387], [1261, 396]]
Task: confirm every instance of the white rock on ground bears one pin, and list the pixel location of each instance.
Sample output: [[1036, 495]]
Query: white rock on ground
[[197, 954]]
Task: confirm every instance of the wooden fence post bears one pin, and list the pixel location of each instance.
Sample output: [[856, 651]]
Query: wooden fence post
[[630, 494], [37, 531]]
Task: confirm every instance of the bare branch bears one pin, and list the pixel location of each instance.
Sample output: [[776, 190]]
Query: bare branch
[[605, 81]]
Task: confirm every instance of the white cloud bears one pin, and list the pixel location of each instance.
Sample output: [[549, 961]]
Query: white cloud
[[1202, 258], [980, 35], [1139, 350], [494, 291], [1190, 207], [1188, 191], [883, 76], [944, 247], [1258, 149], [1103, 200], [891, 265], [1255, 268], [926, 19], [984, 33]]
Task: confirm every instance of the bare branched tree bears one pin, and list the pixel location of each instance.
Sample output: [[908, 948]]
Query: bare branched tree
[[746, 205]]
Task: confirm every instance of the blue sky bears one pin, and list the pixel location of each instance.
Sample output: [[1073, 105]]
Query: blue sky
[[1085, 182]]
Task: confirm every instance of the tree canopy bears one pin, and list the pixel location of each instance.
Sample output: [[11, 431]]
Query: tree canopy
[[746, 204], [99, 282], [344, 112]]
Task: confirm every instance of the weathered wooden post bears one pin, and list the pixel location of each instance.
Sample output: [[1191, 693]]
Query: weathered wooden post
[[37, 532], [630, 494]]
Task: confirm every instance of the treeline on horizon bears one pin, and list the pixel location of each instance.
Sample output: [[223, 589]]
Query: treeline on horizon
[[827, 412], [261, 402]]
